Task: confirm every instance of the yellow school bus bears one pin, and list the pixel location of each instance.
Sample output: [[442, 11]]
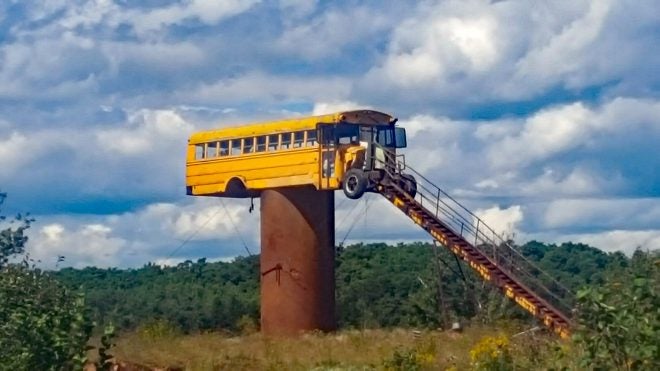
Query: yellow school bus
[[348, 150]]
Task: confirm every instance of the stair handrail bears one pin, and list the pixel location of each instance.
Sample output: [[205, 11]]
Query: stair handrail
[[393, 166]]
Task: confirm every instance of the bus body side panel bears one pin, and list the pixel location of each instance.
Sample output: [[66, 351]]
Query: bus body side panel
[[257, 170]]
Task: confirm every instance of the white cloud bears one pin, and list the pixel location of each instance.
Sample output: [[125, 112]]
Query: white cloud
[[372, 218], [434, 143], [265, 88], [13, 155], [452, 53], [298, 8], [141, 157], [323, 108], [146, 132], [87, 13], [70, 50], [171, 262], [160, 232], [578, 181], [611, 240], [410, 70], [487, 183], [85, 245], [206, 223], [168, 262], [198, 219], [560, 129], [424, 50], [439, 41], [53, 232], [163, 56], [148, 23], [168, 233], [504, 222], [544, 134], [621, 240], [66, 66], [603, 213], [563, 52], [329, 33]]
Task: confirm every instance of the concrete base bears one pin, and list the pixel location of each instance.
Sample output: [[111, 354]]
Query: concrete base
[[297, 261]]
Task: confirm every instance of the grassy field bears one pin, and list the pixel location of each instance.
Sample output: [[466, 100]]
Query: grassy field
[[345, 350]]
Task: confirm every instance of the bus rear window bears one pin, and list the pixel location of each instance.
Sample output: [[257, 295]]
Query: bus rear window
[[211, 149], [199, 151]]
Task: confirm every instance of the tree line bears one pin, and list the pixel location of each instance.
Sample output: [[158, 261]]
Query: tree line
[[378, 285]]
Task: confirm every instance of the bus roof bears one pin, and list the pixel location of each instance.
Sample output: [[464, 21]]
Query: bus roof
[[364, 117]]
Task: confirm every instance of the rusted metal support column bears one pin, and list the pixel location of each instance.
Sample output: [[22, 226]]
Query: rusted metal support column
[[297, 261]]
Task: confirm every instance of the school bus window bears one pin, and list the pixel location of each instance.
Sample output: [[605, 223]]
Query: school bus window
[[248, 145], [199, 151], [328, 135], [235, 147], [366, 133], [310, 140], [211, 149], [273, 141], [385, 137], [347, 134], [286, 141], [261, 143], [298, 139], [224, 148]]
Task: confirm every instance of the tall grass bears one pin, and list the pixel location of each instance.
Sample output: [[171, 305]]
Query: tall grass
[[345, 350]]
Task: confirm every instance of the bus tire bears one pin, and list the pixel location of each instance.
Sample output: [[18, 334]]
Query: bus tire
[[355, 183], [409, 184]]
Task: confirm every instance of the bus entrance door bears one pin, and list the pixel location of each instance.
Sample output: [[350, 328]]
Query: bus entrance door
[[328, 156]]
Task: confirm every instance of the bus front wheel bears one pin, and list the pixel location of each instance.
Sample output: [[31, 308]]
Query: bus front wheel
[[355, 183]]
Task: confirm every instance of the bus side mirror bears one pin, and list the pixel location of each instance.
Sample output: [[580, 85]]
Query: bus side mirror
[[400, 138]]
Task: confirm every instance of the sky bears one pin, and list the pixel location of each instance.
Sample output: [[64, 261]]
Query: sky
[[544, 117]]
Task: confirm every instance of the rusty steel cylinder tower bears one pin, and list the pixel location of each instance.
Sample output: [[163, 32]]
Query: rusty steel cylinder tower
[[297, 261]]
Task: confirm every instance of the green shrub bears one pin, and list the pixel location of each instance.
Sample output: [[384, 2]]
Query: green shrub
[[619, 323], [43, 324]]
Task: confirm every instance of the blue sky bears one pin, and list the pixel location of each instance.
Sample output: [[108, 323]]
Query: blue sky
[[543, 117]]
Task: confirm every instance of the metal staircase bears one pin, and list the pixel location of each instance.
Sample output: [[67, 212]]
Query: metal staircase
[[466, 235]]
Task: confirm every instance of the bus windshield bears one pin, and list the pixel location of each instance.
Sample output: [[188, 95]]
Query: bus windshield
[[347, 134]]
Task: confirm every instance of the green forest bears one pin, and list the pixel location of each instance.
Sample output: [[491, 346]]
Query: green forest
[[378, 285]]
